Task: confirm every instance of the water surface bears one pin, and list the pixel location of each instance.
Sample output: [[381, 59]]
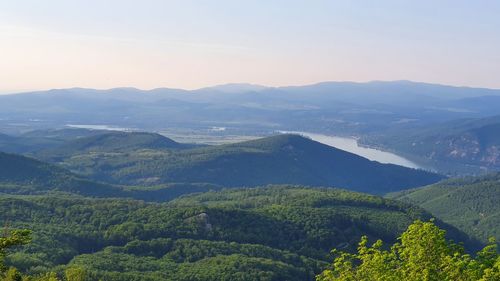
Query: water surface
[[351, 145]]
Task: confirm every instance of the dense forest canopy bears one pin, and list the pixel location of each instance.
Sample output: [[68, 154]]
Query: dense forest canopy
[[139, 159], [271, 233], [421, 253], [470, 204], [204, 228]]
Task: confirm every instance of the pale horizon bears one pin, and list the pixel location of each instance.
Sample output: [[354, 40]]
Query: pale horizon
[[195, 44], [243, 83]]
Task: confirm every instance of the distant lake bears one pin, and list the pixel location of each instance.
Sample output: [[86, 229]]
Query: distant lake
[[351, 145]]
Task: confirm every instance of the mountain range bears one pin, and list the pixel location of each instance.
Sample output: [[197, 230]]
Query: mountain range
[[187, 220], [334, 106], [121, 201]]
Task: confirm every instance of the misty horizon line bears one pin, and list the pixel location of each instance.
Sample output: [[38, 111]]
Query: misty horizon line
[[242, 84]]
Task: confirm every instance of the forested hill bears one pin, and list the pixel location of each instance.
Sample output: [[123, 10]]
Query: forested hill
[[111, 142], [24, 175], [464, 146], [280, 159], [273, 233], [24, 170], [37, 140], [471, 204]]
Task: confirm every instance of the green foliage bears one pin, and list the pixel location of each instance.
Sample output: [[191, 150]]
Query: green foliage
[[422, 253], [463, 146], [14, 238], [24, 175], [470, 204], [282, 159], [272, 233], [109, 142], [12, 275], [75, 274]]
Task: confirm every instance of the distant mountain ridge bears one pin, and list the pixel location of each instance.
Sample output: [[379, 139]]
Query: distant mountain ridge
[[234, 88], [334, 105], [382, 86], [366, 110]]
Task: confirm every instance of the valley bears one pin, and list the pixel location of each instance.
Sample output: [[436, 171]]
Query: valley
[[249, 140], [199, 198]]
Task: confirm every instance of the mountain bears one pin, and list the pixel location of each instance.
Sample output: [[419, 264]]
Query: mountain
[[36, 140], [61, 135], [20, 175], [15, 144], [23, 170], [470, 204], [279, 159], [334, 107], [233, 88], [272, 233], [460, 146], [23, 175], [111, 142]]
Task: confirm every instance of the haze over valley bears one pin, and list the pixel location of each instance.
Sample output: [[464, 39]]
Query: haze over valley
[[249, 140]]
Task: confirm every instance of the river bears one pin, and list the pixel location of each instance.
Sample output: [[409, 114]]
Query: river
[[351, 145]]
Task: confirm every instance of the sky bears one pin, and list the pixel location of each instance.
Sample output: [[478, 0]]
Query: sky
[[47, 44]]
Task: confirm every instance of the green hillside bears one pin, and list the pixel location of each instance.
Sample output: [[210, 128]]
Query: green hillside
[[15, 144], [110, 142], [273, 233], [65, 134], [464, 146], [24, 175], [37, 140], [471, 204], [281, 159]]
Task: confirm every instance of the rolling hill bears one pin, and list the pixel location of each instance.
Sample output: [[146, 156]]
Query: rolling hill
[[109, 142], [22, 175], [272, 233], [280, 159], [459, 146], [470, 204], [36, 140]]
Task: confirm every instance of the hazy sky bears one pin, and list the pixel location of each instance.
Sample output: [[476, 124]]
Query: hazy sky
[[190, 44]]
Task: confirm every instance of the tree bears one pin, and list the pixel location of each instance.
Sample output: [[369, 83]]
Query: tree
[[422, 254], [14, 238], [75, 274], [13, 275]]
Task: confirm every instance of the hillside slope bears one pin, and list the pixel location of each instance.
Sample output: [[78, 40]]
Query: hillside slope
[[36, 140], [460, 146], [470, 204], [109, 142], [280, 159], [273, 233], [24, 175]]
